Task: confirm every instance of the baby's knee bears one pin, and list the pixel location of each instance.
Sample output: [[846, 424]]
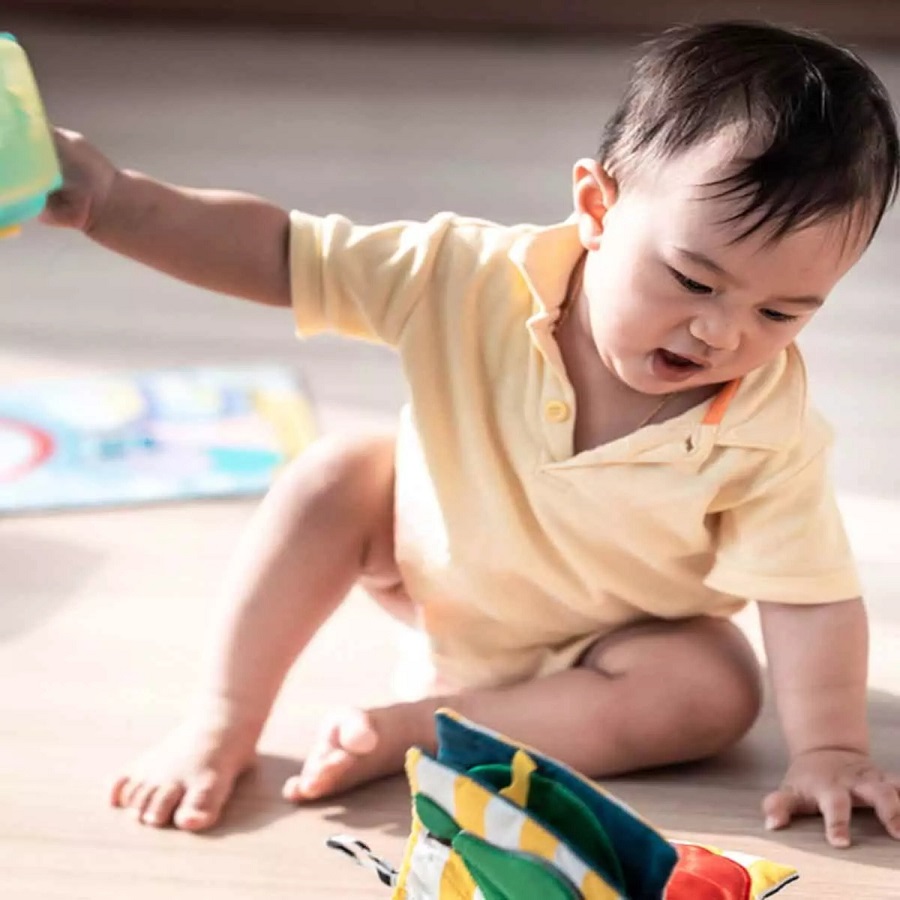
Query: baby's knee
[[341, 464], [724, 692], [698, 680], [340, 480]]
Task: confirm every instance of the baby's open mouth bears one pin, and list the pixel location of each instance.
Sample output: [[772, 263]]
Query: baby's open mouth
[[679, 362], [673, 367]]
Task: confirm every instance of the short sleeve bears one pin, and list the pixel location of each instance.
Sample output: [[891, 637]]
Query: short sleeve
[[785, 541], [360, 281]]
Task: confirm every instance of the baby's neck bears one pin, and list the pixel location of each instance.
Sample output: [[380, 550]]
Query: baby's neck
[[606, 408]]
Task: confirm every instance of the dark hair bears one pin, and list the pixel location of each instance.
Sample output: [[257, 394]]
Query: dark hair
[[821, 115]]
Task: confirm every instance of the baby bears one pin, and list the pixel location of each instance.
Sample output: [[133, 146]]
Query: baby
[[608, 449]]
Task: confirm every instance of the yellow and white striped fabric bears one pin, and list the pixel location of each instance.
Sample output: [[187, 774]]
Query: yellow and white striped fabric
[[432, 871]]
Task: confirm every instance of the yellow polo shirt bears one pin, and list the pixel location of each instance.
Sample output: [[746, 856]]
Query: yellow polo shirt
[[517, 551]]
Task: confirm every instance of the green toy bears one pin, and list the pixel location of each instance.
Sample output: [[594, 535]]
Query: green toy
[[29, 168]]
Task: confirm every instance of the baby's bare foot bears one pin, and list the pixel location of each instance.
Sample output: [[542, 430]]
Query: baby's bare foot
[[357, 746], [186, 779]]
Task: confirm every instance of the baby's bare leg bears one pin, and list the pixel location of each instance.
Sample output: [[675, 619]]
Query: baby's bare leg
[[645, 696], [308, 543]]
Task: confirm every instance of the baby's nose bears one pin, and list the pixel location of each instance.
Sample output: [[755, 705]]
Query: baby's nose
[[717, 331]]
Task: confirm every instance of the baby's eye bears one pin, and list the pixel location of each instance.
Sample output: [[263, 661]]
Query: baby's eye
[[774, 316], [689, 284]]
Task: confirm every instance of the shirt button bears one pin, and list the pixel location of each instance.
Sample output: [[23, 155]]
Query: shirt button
[[556, 411]]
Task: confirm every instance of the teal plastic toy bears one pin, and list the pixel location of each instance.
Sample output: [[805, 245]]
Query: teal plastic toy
[[29, 168]]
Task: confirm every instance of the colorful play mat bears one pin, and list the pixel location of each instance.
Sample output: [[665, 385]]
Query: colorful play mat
[[148, 437]]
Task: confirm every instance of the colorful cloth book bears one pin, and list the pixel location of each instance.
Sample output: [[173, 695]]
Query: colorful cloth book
[[494, 820]]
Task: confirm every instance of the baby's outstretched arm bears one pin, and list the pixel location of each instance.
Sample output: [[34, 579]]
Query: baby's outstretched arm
[[227, 242], [818, 658]]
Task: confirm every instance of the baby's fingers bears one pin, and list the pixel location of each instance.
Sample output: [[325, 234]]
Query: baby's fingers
[[884, 798], [836, 806], [779, 808]]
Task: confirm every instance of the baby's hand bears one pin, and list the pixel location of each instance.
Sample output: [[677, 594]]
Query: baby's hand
[[833, 782], [87, 178]]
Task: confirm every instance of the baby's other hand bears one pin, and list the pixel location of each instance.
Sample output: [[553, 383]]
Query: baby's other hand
[[832, 782], [87, 178]]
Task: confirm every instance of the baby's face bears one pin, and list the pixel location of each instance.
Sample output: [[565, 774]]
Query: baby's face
[[675, 302]]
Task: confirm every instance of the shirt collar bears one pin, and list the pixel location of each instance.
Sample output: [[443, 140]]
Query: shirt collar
[[546, 257], [765, 410], [769, 408]]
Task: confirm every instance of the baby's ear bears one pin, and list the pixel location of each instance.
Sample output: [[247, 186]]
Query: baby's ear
[[594, 191]]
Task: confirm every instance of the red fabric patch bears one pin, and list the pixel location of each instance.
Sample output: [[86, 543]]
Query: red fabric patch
[[703, 875]]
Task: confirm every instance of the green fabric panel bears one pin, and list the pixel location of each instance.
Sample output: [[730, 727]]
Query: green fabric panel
[[436, 820], [566, 816], [504, 875]]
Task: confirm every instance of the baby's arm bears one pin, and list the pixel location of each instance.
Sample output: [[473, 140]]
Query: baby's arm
[[818, 660], [227, 242]]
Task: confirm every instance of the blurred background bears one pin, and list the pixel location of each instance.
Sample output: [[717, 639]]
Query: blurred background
[[873, 19]]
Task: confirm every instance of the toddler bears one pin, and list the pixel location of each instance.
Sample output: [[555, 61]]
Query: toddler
[[608, 449]]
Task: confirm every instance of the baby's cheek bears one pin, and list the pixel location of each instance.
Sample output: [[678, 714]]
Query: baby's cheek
[[652, 302]]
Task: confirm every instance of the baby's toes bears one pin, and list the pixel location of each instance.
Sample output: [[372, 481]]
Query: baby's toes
[[160, 805], [203, 800], [322, 774], [120, 790], [347, 737], [138, 797], [126, 790], [130, 792], [355, 732]]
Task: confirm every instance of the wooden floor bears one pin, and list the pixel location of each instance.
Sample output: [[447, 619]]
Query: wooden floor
[[101, 614]]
